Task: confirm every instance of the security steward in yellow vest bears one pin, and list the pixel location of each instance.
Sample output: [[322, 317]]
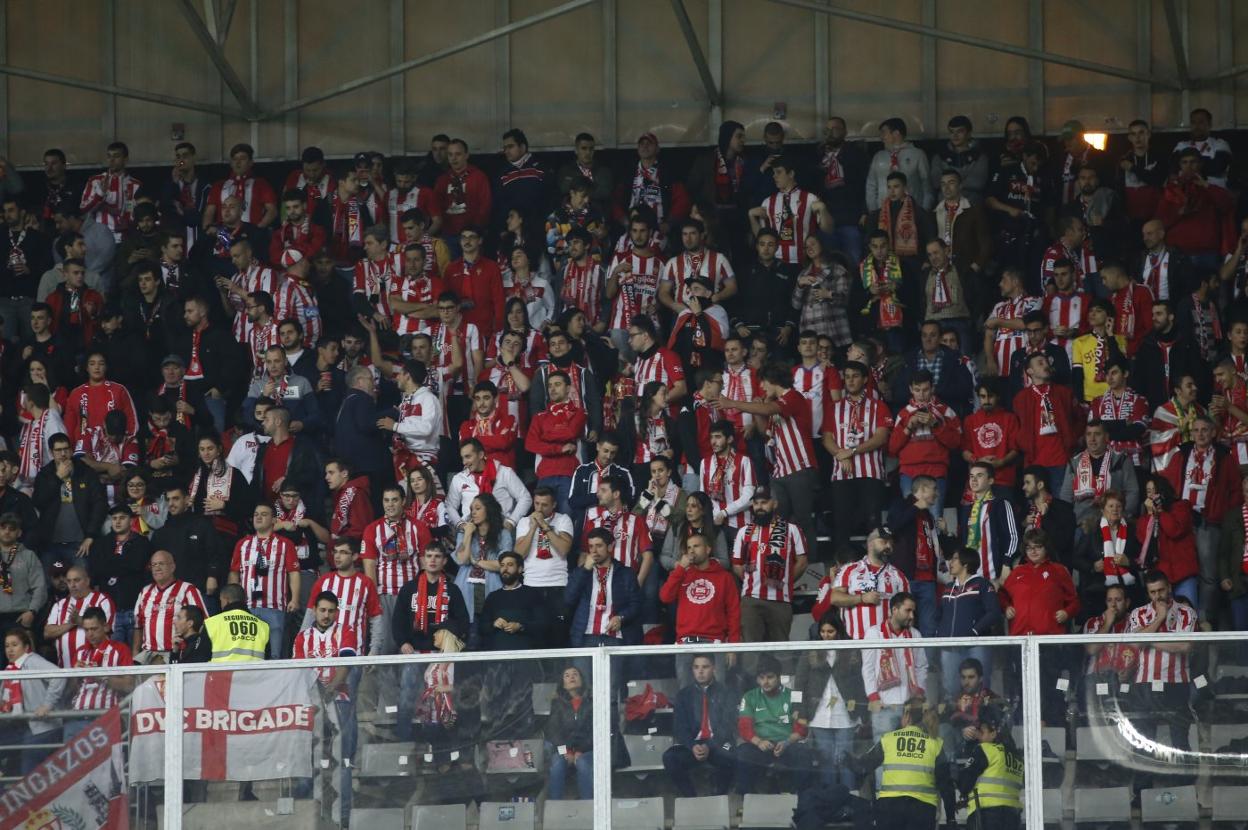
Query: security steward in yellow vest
[[914, 776], [991, 777], [237, 635]]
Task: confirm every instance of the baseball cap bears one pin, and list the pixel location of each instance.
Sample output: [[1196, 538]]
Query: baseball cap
[[11, 519], [762, 491], [881, 532], [363, 160], [58, 568], [1072, 128], [173, 360], [648, 136]]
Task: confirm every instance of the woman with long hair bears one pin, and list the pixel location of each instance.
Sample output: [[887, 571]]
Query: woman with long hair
[[588, 345], [699, 517], [516, 318], [43, 373], [830, 681], [424, 503], [821, 294], [532, 289], [219, 491], [480, 540], [1166, 530], [570, 737], [650, 432], [149, 513]]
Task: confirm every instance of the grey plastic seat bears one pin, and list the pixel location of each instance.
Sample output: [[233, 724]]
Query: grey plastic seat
[[377, 819], [440, 817], [1101, 805], [508, 815], [708, 813], [637, 813], [761, 811], [568, 815], [1169, 804], [646, 752]]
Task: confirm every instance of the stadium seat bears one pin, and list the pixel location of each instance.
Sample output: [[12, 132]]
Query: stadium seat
[[760, 811], [709, 813], [390, 760], [1097, 743], [1169, 804], [1230, 804], [377, 819], [1055, 737], [529, 757], [666, 685], [646, 752], [568, 815], [1112, 804], [507, 815], [800, 628], [440, 817], [809, 582], [543, 694], [1054, 805], [637, 813]]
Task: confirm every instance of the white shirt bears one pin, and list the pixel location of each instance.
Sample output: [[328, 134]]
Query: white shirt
[[540, 570], [510, 491]]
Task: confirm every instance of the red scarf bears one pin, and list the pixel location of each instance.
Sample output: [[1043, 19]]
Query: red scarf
[[905, 237], [940, 293], [195, 369], [1088, 484], [420, 603], [1112, 547], [158, 444], [727, 181], [10, 691], [486, 478], [1243, 515]]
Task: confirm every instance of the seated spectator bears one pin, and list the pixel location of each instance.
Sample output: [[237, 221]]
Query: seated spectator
[[704, 730], [570, 737], [1167, 537], [1115, 663], [832, 696], [771, 733], [967, 702]]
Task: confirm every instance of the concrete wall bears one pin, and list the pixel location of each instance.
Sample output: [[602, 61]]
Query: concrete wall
[[614, 67]]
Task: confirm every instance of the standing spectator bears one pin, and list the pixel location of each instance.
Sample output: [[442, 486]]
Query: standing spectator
[[1048, 421], [1039, 341], [156, 608], [771, 732], [545, 539], [864, 589], [1163, 270], [71, 504], [1173, 422], [727, 477], [1124, 412], [704, 730], [918, 548], [1163, 677], [119, 567], [36, 697], [653, 186], [898, 155], [893, 673], [768, 556], [1045, 511], [259, 202], [484, 475], [718, 179], [987, 524], [1198, 215], [358, 602], [831, 686], [603, 597], [708, 608], [23, 584], [265, 565], [925, 431], [552, 437], [464, 193], [194, 544], [97, 651], [584, 165], [481, 540], [24, 257], [944, 297], [855, 433], [791, 212], [585, 480], [1003, 330], [1065, 309], [110, 197], [1109, 554], [1214, 152], [696, 260], [477, 282], [1232, 556], [842, 171], [1141, 175], [1093, 352], [1166, 354], [513, 618], [969, 608], [962, 155], [390, 554], [191, 643], [991, 434]]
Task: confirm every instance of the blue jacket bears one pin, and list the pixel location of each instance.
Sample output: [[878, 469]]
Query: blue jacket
[[971, 610], [721, 708], [357, 437], [626, 596]]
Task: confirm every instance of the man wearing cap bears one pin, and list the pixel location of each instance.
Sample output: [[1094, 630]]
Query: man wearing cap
[[23, 587], [259, 203], [184, 398], [119, 567], [463, 193], [769, 555], [863, 589], [1075, 154], [653, 186], [962, 154]]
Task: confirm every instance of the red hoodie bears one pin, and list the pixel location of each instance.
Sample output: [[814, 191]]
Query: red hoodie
[[1037, 593], [353, 510], [708, 602], [926, 451], [549, 431]]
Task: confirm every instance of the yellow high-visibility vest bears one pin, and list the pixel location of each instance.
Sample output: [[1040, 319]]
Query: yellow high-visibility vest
[[237, 636], [1001, 784], [909, 768]]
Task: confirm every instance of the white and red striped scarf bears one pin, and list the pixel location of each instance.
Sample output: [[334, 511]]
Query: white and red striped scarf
[[1113, 545]]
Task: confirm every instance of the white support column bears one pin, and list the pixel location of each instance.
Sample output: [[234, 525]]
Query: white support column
[[253, 58], [108, 32], [610, 82], [1035, 68], [715, 60], [823, 81], [290, 73], [1144, 58], [927, 66], [602, 738], [398, 84], [1185, 32], [174, 676], [1033, 757]]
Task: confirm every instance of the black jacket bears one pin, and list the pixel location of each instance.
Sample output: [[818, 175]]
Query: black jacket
[[1058, 523], [305, 470], [37, 249], [953, 389], [766, 298], [198, 649], [15, 501], [903, 518], [813, 672], [357, 437], [1149, 375], [122, 576], [220, 357], [198, 550], [721, 711], [568, 727], [90, 501], [401, 620], [522, 605]]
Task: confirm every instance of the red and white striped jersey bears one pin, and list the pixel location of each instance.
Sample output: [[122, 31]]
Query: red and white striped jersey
[[297, 302], [729, 481], [251, 190], [705, 263], [68, 644], [335, 641], [396, 546], [94, 693], [639, 292], [583, 287], [789, 434], [661, 365], [425, 290], [817, 383], [357, 601], [155, 609], [259, 339], [853, 422], [741, 384], [470, 342], [861, 577], [601, 603], [1007, 340], [1155, 664], [111, 197], [377, 279], [1069, 311], [257, 277], [262, 566], [792, 216], [768, 555], [632, 536], [397, 203]]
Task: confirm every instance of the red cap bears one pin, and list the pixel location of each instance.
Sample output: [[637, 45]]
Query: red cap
[[290, 256], [648, 137]]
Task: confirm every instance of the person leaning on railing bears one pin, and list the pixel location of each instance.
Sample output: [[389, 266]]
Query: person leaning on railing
[[34, 697]]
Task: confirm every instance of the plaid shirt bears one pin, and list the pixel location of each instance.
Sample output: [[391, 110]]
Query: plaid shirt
[[932, 366], [825, 317]]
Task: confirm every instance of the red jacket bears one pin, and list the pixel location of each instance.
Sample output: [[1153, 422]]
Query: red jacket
[[353, 509], [466, 204], [1224, 491], [1065, 417], [925, 454], [289, 236], [1173, 541], [496, 433], [549, 430], [1198, 219], [480, 283], [708, 603], [1037, 593]]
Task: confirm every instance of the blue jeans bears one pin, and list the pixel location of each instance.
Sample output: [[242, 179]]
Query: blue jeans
[[831, 748], [559, 767], [1188, 589], [123, 625], [216, 408], [951, 658], [562, 487], [942, 485], [277, 630], [925, 599]]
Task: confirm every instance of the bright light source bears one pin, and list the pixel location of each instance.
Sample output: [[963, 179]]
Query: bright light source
[[1097, 140]]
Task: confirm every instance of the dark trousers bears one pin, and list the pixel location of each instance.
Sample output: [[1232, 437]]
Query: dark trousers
[[1168, 704], [904, 813], [856, 506], [795, 762], [679, 763], [795, 495], [552, 601], [994, 818]]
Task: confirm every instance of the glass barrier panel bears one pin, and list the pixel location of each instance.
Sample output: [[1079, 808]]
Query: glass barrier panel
[[67, 749], [1152, 730], [749, 730], [425, 741]]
